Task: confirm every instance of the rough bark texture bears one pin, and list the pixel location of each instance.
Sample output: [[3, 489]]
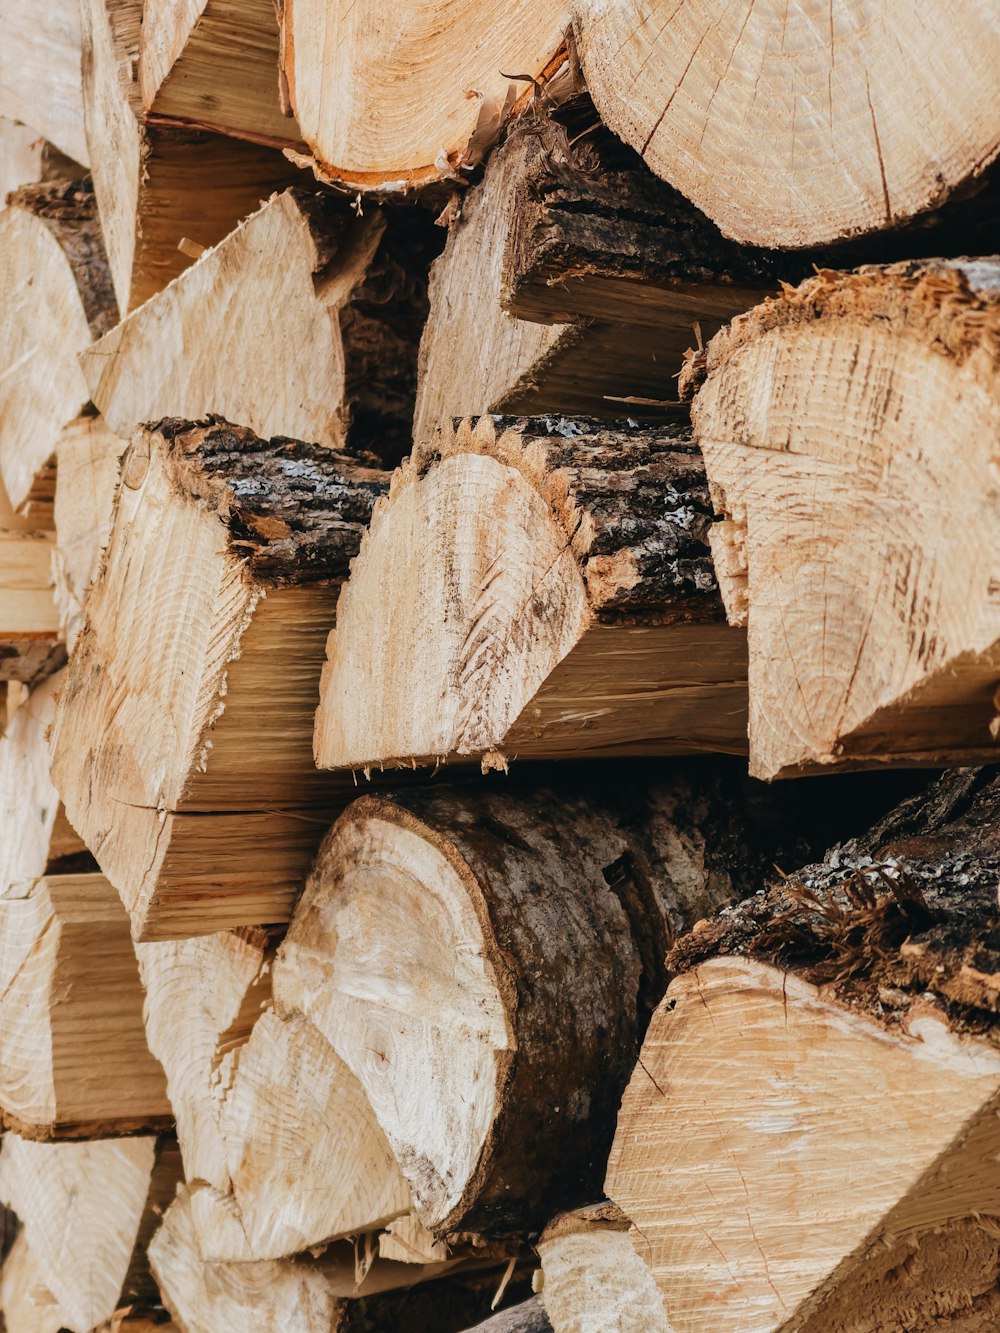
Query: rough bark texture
[[529, 1317]]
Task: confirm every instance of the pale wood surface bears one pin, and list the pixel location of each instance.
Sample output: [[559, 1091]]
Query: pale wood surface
[[27, 1304], [40, 80], [797, 126]]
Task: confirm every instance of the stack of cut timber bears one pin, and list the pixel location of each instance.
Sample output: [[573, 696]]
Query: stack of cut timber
[[449, 454]]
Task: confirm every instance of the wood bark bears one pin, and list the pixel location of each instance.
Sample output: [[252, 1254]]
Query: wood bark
[[536, 588], [485, 964], [802, 135], [528, 1317], [313, 344], [56, 292], [181, 746], [70, 1002], [853, 1008], [857, 502], [393, 100], [158, 185], [88, 1211], [40, 83], [214, 63], [593, 1281], [276, 1134]]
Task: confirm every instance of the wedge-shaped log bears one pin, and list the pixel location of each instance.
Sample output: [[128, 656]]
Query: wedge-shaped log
[[278, 1139], [534, 587], [214, 63], [593, 1281], [848, 429], [30, 641], [70, 1003], [158, 185], [182, 742], [391, 99], [56, 290], [853, 1011], [40, 78], [88, 1211], [296, 279], [799, 131], [485, 965]]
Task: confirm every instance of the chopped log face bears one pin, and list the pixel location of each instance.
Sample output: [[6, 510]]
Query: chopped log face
[[214, 63], [40, 81], [853, 1008], [857, 501], [88, 1210], [56, 292], [30, 642], [427, 953], [27, 1304], [394, 99], [802, 130], [21, 156], [582, 615], [70, 1002], [201, 653], [593, 1281], [157, 185]]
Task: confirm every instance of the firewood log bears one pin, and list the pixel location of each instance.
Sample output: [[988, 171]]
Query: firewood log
[[215, 65], [593, 1281], [70, 1003], [200, 656], [27, 1304], [809, 1139], [317, 347], [392, 99], [158, 185], [407, 1241], [27, 158], [485, 963], [582, 617], [30, 642], [528, 1317], [272, 1126], [802, 133], [40, 82], [872, 614], [56, 291], [88, 1211]]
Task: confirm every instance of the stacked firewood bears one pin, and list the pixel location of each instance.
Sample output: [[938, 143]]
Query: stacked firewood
[[435, 502]]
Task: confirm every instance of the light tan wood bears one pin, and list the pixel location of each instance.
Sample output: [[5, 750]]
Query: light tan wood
[[201, 656], [393, 99], [70, 1003], [768, 1212], [465, 999], [30, 640], [284, 375], [87, 455], [87, 1210], [214, 63], [20, 156], [158, 184], [593, 1281], [847, 429], [797, 128], [407, 1241], [278, 1139], [27, 1304], [40, 80], [548, 649]]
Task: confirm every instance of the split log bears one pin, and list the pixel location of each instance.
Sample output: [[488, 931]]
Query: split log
[[88, 1211], [395, 99], [583, 615], [26, 158], [312, 343], [70, 1003], [56, 292], [40, 82], [529, 1317], [407, 1241], [593, 1281], [36, 833], [27, 1304], [214, 64], [201, 654], [485, 964], [822, 134], [857, 497], [30, 641], [853, 1009], [158, 185], [277, 1137]]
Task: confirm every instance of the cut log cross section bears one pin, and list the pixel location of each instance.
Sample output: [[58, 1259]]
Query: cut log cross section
[[536, 588], [859, 503]]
